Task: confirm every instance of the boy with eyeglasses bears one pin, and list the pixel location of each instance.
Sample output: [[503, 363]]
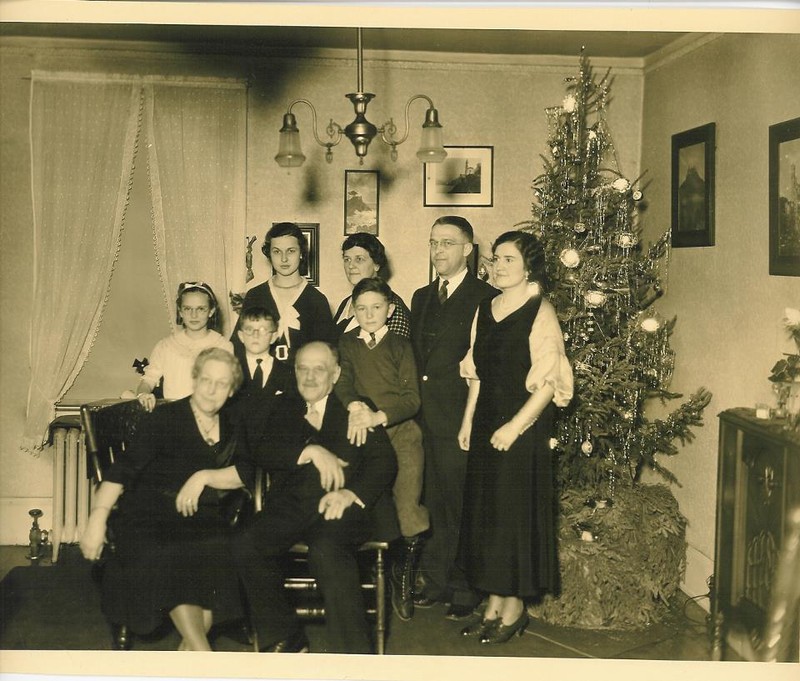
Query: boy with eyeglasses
[[264, 377]]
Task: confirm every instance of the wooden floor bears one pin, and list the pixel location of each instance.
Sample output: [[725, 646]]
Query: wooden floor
[[681, 636]]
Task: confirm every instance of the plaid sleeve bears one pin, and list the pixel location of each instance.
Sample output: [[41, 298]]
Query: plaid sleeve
[[400, 321]]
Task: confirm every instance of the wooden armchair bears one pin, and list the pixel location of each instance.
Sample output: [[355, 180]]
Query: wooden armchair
[[108, 427], [305, 591]]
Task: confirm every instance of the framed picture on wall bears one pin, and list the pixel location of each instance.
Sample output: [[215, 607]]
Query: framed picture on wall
[[464, 178], [784, 198], [361, 199], [693, 186], [311, 231]]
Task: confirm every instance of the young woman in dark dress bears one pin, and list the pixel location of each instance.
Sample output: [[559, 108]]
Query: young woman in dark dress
[[172, 554], [517, 371], [302, 311]]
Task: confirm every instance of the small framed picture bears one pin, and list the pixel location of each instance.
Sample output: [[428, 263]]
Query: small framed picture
[[784, 198], [361, 199], [464, 178], [693, 187], [311, 231]]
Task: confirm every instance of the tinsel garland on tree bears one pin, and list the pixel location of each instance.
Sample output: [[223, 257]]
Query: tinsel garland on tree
[[604, 285]]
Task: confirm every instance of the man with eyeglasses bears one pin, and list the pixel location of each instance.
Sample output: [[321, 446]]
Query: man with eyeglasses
[[441, 318]]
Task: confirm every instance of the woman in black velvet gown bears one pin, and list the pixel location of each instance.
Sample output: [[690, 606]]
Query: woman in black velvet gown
[[517, 372], [172, 553]]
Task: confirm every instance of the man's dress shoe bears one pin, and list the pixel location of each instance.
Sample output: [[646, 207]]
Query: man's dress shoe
[[458, 612], [294, 643], [424, 602]]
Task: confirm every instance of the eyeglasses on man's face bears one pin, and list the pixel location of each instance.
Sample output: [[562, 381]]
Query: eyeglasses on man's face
[[446, 244]]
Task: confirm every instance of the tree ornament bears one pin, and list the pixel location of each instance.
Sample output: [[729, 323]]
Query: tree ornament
[[570, 258], [650, 324], [637, 195], [585, 532], [587, 447], [626, 240], [599, 503], [595, 298], [580, 227], [569, 103], [553, 443], [621, 185]]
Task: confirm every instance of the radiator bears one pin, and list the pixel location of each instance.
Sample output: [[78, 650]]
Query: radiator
[[71, 488]]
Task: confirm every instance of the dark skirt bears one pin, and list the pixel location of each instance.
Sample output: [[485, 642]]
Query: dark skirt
[[508, 536], [162, 560]]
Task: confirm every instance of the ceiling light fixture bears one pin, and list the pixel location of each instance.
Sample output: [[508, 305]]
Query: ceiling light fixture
[[360, 132]]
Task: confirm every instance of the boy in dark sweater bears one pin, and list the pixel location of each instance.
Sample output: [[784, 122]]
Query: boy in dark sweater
[[378, 364]]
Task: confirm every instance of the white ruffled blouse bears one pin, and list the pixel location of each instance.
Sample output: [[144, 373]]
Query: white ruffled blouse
[[549, 363]]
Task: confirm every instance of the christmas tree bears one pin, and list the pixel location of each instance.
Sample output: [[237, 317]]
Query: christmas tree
[[604, 285], [621, 542]]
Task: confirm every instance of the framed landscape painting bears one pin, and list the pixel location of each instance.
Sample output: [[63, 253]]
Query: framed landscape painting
[[693, 186], [784, 198], [464, 178], [361, 198]]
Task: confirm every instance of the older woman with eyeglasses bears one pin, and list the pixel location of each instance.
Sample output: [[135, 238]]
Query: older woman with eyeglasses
[[172, 357], [171, 536], [363, 256]]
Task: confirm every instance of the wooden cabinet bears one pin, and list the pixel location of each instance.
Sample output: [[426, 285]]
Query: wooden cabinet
[[758, 480]]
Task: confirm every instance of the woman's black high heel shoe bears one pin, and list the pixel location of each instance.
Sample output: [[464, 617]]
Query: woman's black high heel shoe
[[480, 628], [503, 632]]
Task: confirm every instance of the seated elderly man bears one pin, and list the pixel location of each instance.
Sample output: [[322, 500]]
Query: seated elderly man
[[322, 491]]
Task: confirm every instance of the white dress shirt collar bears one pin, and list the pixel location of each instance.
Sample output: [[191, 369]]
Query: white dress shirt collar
[[379, 334], [267, 361], [453, 282]]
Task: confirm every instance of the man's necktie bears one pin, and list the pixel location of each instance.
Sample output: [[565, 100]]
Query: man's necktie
[[371, 343], [443, 291], [258, 374], [314, 417]]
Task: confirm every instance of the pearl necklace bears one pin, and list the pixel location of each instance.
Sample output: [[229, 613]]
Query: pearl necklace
[[206, 430]]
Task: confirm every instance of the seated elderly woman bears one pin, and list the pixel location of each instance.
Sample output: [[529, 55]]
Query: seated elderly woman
[[172, 553]]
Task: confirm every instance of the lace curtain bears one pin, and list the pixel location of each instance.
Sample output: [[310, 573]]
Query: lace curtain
[[196, 160], [84, 130], [83, 136]]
